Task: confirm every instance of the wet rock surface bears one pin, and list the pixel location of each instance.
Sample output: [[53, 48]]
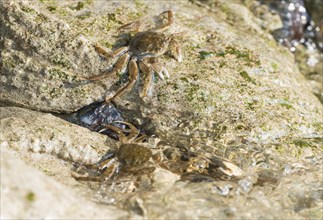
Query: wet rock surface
[[31, 194], [237, 95], [299, 27]]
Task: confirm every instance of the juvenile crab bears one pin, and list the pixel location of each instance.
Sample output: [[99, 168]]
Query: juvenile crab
[[199, 167], [131, 156], [143, 50]]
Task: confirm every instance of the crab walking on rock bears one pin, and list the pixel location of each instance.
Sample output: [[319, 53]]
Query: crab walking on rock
[[135, 157], [131, 156], [142, 53]]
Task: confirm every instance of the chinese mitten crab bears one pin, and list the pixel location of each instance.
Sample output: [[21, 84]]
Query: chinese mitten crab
[[134, 156], [142, 53], [131, 156]]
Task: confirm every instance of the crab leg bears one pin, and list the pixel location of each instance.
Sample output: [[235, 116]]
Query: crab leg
[[121, 63], [160, 70], [122, 137], [133, 26], [133, 132], [140, 139], [133, 76], [169, 22], [119, 51], [106, 163], [106, 166], [175, 49], [149, 77], [103, 52], [85, 177]]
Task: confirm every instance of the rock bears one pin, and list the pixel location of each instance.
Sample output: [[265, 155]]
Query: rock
[[31, 194], [28, 131], [44, 60], [307, 47], [163, 178], [237, 94], [230, 77]]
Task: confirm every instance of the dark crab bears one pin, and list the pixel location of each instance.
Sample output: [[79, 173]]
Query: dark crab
[[131, 156], [142, 53]]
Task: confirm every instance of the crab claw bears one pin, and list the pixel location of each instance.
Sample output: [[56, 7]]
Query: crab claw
[[177, 53], [160, 70], [164, 70], [163, 73], [135, 26]]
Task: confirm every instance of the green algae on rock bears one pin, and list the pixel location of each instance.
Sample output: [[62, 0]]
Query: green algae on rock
[[43, 60], [236, 94]]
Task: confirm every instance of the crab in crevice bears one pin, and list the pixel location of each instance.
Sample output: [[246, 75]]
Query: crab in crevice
[[130, 157], [136, 155], [141, 53], [133, 157]]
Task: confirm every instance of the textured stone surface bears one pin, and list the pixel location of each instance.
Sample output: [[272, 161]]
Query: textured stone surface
[[43, 60], [25, 130], [309, 58], [237, 94], [30, 194], [229, 76]]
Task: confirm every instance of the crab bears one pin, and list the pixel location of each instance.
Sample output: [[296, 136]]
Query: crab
[[141, 53], [131, 156], [200, 167], [215, 166], [134, 157]]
